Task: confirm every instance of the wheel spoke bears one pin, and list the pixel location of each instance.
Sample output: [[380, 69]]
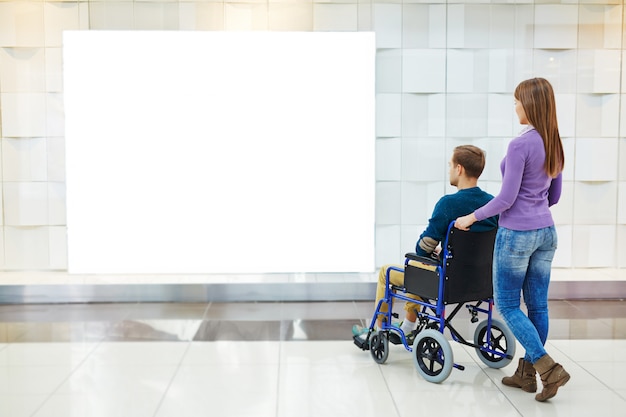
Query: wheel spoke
[[494, 347], [379, 348], [433, 356], [495, 341]]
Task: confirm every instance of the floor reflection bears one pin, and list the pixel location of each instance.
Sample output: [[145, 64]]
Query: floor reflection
[[315, 321]]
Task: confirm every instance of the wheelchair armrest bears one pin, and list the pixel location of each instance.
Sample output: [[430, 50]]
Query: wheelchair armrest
[[422, 259]]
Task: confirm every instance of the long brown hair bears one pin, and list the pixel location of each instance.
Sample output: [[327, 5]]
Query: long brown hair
[[537, 98]]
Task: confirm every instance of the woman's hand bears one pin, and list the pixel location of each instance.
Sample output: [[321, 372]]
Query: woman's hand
[[465, 222]]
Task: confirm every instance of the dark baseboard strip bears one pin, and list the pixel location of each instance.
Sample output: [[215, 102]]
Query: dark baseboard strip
[[587, 290]]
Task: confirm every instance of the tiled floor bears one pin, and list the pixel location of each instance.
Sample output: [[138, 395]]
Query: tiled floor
[[279, 359]]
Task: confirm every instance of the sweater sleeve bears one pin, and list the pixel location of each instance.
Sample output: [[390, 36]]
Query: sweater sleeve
[[511, 182], [554, 193], [437, 227]]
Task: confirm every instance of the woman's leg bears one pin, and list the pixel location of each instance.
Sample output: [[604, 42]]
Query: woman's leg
[[538, 280], [552, 374], [512, 254]]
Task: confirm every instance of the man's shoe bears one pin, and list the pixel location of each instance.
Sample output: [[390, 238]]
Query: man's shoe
[[358, 330], [397, 340]]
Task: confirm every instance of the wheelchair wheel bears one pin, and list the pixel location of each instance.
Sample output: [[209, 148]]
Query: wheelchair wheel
[[432, 356], [379, 347], [502, 341]]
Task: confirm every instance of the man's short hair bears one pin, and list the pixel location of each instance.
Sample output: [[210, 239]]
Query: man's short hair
[[471, 157]]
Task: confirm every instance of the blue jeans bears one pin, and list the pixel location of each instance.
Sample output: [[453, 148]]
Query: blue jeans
[[521, 264]]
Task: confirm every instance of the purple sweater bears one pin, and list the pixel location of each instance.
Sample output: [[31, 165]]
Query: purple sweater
[[527, 191]]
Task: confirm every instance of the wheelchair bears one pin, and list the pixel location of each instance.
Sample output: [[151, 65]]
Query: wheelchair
[[463, 278]]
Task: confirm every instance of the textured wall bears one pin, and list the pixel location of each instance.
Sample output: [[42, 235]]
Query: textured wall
[[445, 76]]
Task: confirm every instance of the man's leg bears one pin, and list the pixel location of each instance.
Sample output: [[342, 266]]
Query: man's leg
[[408, 324], [395, 278]]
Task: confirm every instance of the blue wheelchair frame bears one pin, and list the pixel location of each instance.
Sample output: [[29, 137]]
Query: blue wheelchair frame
[[493, 341]]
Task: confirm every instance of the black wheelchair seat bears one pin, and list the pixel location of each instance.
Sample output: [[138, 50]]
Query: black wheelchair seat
[[467, 269]]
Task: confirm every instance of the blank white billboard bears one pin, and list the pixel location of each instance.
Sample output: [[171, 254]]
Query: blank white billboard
[[219, 152]]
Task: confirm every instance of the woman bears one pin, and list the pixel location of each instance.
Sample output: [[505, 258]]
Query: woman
[[526, 239]]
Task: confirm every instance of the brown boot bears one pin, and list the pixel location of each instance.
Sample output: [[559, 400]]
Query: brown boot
[[552, 375], [524, 377]]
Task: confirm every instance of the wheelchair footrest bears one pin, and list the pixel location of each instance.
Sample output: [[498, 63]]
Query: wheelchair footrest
[[361, 342]]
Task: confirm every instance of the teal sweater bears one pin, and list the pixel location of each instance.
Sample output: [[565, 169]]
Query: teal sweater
[[449, 208]]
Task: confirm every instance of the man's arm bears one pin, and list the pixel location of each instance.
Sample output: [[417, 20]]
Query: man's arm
[[435, 231], [427, 244]]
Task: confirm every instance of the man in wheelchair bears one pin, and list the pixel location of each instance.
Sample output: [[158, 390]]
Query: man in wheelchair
[[466, 166]]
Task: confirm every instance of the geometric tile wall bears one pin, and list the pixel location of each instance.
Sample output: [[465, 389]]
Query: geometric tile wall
[[445, 73]]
